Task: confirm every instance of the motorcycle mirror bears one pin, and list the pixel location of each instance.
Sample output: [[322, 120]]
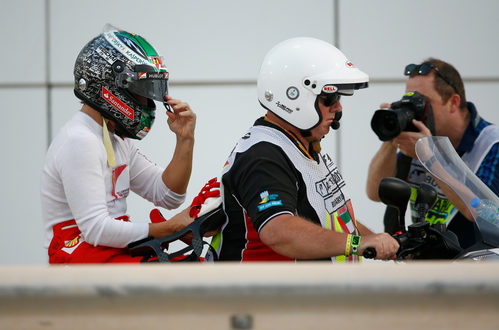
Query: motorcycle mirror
[[395, 192], [427, 196]]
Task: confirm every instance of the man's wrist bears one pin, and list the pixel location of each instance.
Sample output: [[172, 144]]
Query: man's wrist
[[182, 139], [392, 145], [352, 245]]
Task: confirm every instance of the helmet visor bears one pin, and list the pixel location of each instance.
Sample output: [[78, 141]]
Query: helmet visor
[[152, 85]]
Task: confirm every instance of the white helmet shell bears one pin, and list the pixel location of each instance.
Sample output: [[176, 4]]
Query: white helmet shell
[[296, 71]]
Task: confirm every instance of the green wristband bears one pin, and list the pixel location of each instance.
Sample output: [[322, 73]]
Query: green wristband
[[355, 244]]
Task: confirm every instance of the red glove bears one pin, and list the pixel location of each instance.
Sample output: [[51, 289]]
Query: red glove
[[156, 216], [208, 199]]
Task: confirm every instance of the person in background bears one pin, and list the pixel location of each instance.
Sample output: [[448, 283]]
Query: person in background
[[283, 198], [93, 163], [475, 140]]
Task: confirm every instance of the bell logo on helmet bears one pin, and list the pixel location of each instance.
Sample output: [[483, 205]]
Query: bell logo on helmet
[[117, 104], [329, 89], [308, 64]]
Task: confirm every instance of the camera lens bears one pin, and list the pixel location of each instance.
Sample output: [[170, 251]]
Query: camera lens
[[390, 123], [385, 123]]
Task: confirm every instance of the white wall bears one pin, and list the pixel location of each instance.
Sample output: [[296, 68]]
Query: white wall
[[213, 51]]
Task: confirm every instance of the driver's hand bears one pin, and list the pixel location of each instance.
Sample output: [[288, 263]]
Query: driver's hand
[[385, 245]]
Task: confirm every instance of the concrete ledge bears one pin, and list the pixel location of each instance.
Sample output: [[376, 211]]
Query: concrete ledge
[[252, 296]]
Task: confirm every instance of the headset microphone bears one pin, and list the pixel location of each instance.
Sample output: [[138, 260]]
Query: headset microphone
[[336, 121]]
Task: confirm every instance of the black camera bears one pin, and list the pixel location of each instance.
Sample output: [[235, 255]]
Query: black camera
[[389, 123]]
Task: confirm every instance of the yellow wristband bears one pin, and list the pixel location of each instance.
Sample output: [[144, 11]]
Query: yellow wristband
[[348, 245]]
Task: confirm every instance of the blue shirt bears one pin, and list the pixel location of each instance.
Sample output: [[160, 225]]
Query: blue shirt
[[487, 172]]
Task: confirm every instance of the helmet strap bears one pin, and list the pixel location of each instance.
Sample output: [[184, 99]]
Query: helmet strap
[[314, 146], [111, 160]]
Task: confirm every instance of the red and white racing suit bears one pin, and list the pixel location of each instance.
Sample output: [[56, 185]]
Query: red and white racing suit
[[84, 200]]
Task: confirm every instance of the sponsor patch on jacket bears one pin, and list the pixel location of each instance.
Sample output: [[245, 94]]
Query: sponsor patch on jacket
[[268, 200], [121, 182]]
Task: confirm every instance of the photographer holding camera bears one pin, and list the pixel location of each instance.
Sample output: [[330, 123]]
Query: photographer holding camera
[[434, 104]]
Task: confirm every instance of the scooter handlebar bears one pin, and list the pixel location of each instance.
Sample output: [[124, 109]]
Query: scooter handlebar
[[369, 253]]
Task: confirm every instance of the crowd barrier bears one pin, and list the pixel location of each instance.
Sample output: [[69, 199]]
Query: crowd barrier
[[306, 295]]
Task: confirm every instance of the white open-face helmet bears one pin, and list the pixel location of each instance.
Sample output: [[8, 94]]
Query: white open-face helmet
[[296, 71]]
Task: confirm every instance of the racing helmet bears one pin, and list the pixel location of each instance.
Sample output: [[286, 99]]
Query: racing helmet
[[113, 71], [296, 71]]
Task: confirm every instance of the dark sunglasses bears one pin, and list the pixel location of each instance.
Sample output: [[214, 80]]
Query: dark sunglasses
[[424, 69], [330, 99]]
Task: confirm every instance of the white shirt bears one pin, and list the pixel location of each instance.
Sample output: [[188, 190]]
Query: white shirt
[[77, 183]]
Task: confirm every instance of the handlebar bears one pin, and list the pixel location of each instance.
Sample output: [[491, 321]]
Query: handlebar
[[156, 248], [369, 253], [423, 241], [407, 243]]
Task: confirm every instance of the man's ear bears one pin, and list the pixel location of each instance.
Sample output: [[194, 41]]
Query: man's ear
[[455, 101]]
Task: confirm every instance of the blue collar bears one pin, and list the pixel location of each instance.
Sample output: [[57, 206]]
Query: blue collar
[[471, 133]]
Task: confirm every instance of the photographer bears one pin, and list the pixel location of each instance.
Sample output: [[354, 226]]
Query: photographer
[[447, 114]]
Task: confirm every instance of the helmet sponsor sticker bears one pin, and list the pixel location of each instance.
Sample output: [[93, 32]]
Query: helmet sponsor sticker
[[292, 93], [268, 200], [153, 75], [124, 49], [349, 64], [158, 62], [143, 132], [131, 44], [106, 55], [283, 107], [117, 103], [329, 89]]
